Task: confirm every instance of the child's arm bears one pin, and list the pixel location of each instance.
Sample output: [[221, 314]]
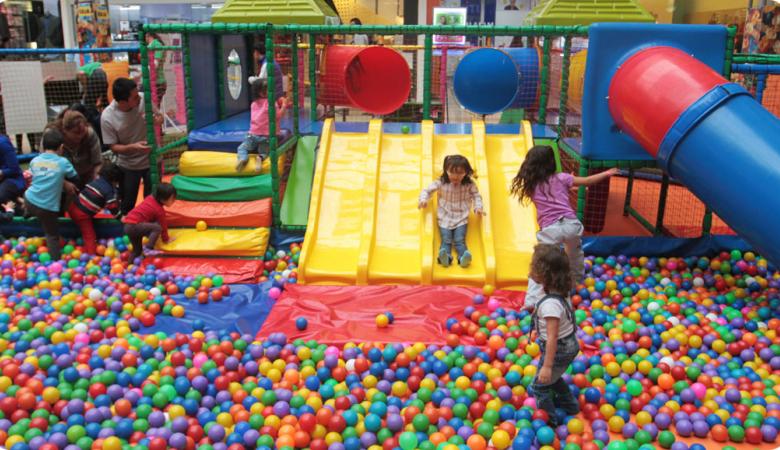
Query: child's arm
[[593, 179], [426, 193], [478, 208], [545, 372]]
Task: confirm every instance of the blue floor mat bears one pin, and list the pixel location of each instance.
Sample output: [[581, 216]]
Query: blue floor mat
[[244, 311]]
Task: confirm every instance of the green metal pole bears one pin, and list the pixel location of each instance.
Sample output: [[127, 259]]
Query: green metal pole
[[151, 137], [544, 81], [427, 67], [706, 223], [253, 28], [313, 76], [562, 108], [581, 191], [729, 52], [219, 67], [270, 71], [659, 220], [295, 87], [188, 82]]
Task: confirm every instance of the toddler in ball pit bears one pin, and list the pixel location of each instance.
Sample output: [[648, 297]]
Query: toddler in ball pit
[[553, 321]]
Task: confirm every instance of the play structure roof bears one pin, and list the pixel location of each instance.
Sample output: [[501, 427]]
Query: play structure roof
[[585, 12], [278, 12]]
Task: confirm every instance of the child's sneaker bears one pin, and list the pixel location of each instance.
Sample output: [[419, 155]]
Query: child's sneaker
[[444, 258], [150, 252], [465, 259], [259, 164], [241, 164]]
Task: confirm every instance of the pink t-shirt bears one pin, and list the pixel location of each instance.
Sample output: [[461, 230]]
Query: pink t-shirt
[[258, 124], [552, 200]]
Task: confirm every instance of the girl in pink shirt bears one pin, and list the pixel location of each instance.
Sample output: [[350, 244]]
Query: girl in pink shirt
[[257, 138], [558, 224]]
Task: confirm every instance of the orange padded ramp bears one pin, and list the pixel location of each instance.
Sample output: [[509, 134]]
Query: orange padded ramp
[[252, 214]]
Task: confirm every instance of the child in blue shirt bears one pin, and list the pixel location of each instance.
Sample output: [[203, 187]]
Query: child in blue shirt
[[43, 197]]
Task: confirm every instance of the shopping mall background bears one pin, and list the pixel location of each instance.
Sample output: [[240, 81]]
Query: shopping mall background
[[37, 23]]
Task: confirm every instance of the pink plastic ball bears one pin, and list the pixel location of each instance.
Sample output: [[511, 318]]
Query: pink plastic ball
[[55, 268], [274, 293], [199, 359], [699, 389], [332, 351], [81, 338], [530, 402], [493, 304]]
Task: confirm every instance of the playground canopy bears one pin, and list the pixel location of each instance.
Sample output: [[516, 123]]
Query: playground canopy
[[586, 12], [277, 12]]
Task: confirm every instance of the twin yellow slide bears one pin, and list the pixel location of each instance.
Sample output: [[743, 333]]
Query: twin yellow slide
[[364, 226]]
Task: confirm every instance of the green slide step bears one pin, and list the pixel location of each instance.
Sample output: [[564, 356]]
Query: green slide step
[[214, 189], [295, 206]]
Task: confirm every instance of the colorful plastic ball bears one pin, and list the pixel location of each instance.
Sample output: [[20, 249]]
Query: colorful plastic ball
[[274, 293], [405, 129], [301, 323], [493, 304], [390, 316], [201, 225], [381, 321], [488, 290]]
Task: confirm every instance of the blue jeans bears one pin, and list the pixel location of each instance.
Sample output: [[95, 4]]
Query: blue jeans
[[556, 394], [456, 236], [252, 143]]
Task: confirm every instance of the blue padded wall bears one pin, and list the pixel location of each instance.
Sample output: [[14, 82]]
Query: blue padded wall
[[204, 80]]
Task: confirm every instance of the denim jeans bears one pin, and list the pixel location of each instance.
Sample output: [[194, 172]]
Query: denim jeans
[[556, 394], [252, 143], [455, 236]]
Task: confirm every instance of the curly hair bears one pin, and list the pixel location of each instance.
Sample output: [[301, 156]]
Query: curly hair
[[538, 166], [550, 267]]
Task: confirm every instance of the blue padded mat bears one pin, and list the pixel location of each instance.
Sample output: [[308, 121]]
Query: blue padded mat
[[244, 311], [227, 134]]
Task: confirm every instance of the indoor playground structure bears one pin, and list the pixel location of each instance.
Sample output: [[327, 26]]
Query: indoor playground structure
[[301, 306]]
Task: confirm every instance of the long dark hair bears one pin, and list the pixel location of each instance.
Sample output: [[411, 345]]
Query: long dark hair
[[457, 162], [550, 267], [538, 166]]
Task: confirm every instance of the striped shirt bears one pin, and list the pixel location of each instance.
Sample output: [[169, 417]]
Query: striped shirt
[[96, 196], [455, 200]]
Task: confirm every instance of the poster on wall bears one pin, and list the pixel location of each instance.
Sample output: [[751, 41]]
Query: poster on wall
[[449, 16], [102, 25], [85, 28]]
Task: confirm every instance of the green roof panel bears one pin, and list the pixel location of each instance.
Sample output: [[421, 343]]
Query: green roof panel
[[278, 12], [586, 12]]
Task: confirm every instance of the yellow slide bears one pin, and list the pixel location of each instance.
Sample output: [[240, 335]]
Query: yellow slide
[[364, 226]]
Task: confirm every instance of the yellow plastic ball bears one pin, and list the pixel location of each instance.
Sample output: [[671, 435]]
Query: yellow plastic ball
[[201, 225], [501, 439], [382, 321]]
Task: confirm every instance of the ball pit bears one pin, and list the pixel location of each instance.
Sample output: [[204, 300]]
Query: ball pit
[[675, 347]]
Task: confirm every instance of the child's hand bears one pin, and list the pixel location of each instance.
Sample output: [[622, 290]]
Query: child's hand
[[613, 171], [528, 307], [479, 212], [9, 205], [545, 375], [170, 239], [422, 204]]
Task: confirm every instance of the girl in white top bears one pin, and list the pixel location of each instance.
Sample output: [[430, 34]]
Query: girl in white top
[[554, 322]]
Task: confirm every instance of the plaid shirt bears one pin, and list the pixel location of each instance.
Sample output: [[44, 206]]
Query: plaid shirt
[[454, 202]]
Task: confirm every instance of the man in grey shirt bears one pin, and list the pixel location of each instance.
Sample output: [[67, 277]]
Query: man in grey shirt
[[124, 130]]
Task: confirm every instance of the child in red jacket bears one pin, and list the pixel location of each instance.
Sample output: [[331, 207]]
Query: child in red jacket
[[148, 219]]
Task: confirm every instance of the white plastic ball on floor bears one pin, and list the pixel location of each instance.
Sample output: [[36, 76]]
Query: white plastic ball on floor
[[95, 295], [81, 327], [155, 292]]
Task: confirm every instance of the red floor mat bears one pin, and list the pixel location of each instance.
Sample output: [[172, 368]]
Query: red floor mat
[[340, 314], [232, 270]]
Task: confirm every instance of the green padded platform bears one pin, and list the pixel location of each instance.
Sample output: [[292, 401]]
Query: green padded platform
[[222, 189]]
